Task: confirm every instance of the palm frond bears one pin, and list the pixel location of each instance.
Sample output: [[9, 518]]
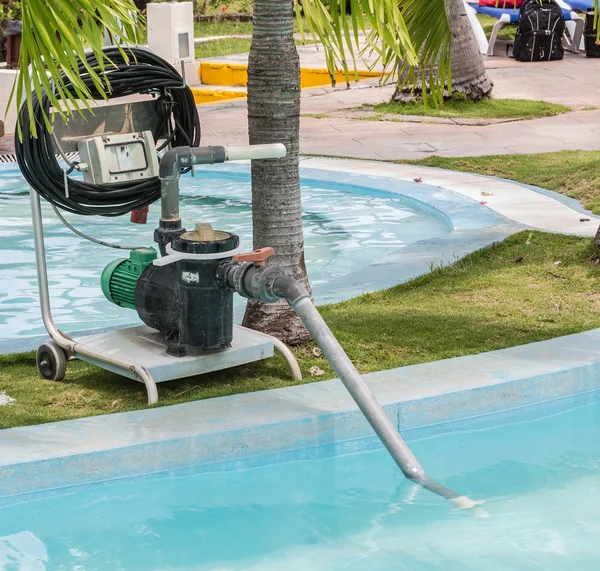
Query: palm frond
[[56, 33], [409, 37], [429, 29]]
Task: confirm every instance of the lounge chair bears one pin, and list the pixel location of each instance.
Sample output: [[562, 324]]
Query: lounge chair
[[581, 5], [574, 24]]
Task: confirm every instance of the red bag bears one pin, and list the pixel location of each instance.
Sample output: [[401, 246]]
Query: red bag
[[501, 3]]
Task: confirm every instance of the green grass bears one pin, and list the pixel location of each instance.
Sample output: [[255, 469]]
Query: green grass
[[505, 295], [223, 47], [458, 106], [315, 115], [506, 32], [233, 7], [572, 173], [222, 28], [229, 28], [206, 29], [229, 46]]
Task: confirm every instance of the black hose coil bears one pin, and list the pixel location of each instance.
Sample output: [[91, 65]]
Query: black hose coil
[[143, 73]]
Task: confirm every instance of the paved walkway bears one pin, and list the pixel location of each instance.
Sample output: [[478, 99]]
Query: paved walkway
[[575, 82]]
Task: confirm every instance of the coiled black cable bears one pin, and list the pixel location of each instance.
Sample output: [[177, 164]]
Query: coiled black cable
[[144, 73]]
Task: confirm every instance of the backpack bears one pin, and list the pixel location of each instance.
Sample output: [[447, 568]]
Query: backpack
[[540, 31]]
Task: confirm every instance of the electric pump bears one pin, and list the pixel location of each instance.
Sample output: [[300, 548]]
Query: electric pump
[[131, 155]]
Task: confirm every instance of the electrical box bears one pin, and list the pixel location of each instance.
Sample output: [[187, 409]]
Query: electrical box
[[114, 159], [171, 30]]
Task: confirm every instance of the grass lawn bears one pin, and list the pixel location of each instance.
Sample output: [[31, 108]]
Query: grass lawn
[[221, 28], [572, 173], [458, 106], [228, 46], [222, 47], [511, 293]]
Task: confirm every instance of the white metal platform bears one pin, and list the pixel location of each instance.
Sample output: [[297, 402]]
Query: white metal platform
[[145, 346]]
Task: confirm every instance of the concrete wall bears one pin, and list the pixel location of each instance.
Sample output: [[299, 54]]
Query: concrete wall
[[7, 78]]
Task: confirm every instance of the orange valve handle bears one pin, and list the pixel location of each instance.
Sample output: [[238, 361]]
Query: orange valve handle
[[258, 256]]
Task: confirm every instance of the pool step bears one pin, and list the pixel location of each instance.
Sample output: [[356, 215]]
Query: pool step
[[232, 74]]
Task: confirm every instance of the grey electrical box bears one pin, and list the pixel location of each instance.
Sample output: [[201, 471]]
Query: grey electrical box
[[114, 159]]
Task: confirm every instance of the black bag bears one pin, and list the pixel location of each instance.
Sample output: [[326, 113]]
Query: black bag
[[540, 31], [591, 49]]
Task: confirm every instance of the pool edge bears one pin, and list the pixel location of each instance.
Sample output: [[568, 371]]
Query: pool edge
[[240, 427]]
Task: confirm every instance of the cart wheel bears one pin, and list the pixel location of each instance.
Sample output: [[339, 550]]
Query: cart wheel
[[51, 361]]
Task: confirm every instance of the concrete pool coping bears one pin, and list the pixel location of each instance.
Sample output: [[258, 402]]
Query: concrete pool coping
[[240, 429], [524, 204]]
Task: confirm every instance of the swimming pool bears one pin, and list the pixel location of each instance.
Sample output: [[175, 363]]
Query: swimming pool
[[346, 227], [538, 473]]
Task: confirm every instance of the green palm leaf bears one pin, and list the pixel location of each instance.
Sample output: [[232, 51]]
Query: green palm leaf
[[409, 37], [54, 33]]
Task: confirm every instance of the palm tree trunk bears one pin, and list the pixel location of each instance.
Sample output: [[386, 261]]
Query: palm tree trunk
[[274, 117], [468, 72]]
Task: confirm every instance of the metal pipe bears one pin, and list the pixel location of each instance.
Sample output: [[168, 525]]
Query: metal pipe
[[299, 299], [169, 200], [70, 346], [288, 356], [269, 284], [170, 170], [42, 273]]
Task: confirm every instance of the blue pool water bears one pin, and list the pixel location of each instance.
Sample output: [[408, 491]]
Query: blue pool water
[[540, 479], [345, 228]]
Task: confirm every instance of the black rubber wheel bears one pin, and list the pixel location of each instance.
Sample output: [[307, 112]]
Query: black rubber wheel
[[51, 361]]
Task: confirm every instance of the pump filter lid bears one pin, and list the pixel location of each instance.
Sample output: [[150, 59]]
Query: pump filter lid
[[205, 240]]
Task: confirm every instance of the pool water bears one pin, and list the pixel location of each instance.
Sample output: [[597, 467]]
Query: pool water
[[344, 228], [540, 480]]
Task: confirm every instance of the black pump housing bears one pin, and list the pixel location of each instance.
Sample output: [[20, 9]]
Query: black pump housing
[[183, 300]]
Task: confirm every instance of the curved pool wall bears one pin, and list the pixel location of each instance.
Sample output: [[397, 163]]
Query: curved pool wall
[[473, 227], [468, 226]]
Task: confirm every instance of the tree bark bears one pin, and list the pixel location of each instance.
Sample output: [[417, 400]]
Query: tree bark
[[274, 117], [468, 71]]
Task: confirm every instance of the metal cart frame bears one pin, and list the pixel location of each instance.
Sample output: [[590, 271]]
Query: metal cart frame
[[64, 347]]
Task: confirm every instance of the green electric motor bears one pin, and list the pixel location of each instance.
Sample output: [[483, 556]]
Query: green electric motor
[[120, 277]]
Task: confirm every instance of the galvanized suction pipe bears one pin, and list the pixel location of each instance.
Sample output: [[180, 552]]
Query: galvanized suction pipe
[[269, 284], [297, 296]]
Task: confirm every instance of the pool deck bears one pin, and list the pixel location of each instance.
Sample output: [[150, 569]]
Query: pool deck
[[517, 202], [331, 124], [256, 428]]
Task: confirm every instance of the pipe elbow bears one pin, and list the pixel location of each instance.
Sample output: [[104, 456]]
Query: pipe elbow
[[289, 289], [173, 160]]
